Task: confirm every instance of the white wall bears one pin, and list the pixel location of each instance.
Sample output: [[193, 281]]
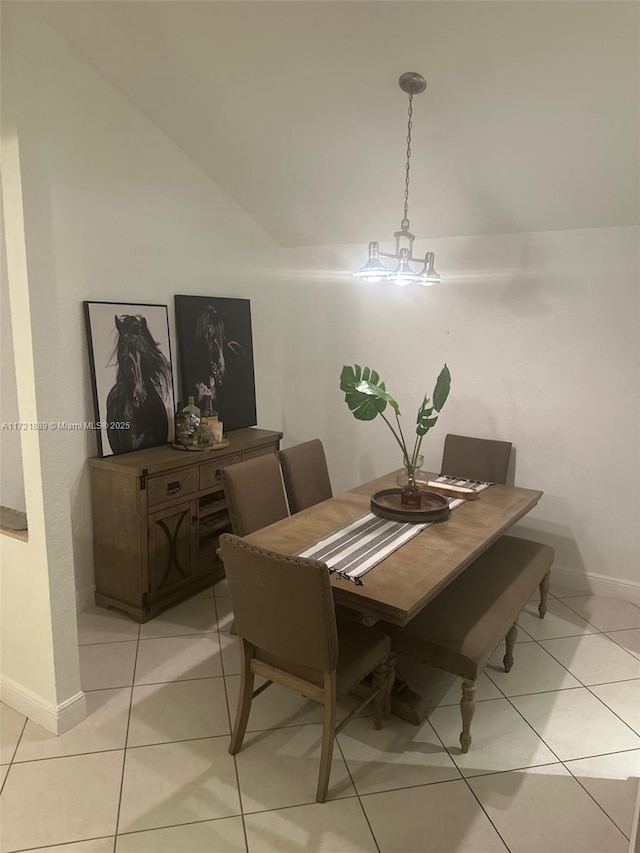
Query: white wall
[[11, 479], [40, 669], [133, 219], [540, 332]]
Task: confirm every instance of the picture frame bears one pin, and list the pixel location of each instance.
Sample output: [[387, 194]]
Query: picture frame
[[129, 347], [215, 349]]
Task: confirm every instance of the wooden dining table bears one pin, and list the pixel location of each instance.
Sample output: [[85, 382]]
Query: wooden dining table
[[398, 587]]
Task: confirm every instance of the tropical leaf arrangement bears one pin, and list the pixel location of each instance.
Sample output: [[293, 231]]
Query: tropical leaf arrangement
[[366, 396]]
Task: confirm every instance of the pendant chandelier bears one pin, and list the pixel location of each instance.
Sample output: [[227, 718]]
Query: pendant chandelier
[[375, 270]]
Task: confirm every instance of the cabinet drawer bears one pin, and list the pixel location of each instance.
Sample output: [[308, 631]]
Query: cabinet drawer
[[174, 484], [261, 451], [210, 471]]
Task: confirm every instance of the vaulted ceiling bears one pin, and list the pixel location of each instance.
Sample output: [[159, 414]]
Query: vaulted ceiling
[[529, 121]]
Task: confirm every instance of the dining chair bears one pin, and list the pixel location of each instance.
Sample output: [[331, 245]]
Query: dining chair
[[481, 459], [254, 493], [285, 618], [305, 474]]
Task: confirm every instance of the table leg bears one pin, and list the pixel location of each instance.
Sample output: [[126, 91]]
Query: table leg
[[405, 702]]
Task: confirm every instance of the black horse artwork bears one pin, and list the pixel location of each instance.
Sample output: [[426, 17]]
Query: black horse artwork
[[216, 356], [141, 391], [211, 351]]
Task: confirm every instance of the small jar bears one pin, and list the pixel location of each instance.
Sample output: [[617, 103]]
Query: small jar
[[203, 437]]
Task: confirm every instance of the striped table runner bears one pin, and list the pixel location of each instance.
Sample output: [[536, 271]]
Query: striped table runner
[[476, 485], [352, 550]]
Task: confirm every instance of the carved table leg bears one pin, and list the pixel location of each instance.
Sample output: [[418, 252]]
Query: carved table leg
[[467, 708], [510, 641], [391, 677], [381, 684], [544, 589]]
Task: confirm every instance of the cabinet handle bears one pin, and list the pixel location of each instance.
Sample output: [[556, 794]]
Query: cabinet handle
[[174, 487]]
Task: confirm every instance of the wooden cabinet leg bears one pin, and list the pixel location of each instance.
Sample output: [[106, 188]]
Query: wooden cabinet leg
[[510, 641], [544, 589], [467, 708]]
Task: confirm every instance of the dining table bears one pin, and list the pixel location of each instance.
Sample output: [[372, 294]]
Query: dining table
[[399, 586]]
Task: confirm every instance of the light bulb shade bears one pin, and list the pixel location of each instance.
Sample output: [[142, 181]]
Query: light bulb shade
[[374, 269], [404, 274], [429, 276]]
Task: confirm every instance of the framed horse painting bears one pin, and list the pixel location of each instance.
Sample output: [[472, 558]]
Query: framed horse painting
[[215, 347], [131, 374]]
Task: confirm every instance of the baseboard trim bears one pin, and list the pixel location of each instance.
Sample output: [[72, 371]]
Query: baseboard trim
[[54, 718], [85, 598], [590, 582]]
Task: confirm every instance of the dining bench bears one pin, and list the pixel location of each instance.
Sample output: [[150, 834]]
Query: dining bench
[[461, 627]]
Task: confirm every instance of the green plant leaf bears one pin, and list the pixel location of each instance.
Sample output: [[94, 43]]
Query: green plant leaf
[[425, 420], [349, 376], [365, 404], [441, 391], [425, 425], [379, 391], [424, 410]]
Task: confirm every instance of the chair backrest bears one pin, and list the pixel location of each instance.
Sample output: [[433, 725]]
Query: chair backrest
[[281, 604], [255, 494], [476, 458], [306, 478]]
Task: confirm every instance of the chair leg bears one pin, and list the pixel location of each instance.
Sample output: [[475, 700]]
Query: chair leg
[[328, 736], [467, 707], [244, 699], [510, 641], [544, 589]]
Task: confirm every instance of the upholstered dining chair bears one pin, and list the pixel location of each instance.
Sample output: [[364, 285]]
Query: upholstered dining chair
[[289, 633], [254, 493], [305, 474], [476, 458]]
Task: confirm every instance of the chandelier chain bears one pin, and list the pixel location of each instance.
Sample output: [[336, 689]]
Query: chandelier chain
[[408, 165]]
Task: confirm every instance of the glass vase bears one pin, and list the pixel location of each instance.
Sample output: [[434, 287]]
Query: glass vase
[[411, 480]]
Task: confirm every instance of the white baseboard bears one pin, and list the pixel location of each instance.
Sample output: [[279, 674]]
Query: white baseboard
[[590, 582], [85, 598], [54, 718]]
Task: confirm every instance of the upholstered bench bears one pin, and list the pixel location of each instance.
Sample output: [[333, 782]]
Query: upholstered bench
[[460, 629]]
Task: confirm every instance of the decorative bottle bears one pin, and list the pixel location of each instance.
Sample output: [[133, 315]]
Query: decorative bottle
[[182, 427], [192, 419], [213, 424]]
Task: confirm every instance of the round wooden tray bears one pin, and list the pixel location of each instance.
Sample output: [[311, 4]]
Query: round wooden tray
[[386, 504], [219, 446]]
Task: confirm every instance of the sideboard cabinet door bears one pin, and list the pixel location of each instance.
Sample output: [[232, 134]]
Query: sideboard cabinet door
[[173, 544], [157, 518]]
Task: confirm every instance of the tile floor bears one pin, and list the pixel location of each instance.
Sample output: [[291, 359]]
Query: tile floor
[[553, 766]]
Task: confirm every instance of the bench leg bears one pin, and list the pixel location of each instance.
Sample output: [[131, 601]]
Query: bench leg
[[467, 707], [510, 641], [544, 589]]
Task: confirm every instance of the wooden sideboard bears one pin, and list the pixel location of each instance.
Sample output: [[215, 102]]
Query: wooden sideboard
[[157, 516]]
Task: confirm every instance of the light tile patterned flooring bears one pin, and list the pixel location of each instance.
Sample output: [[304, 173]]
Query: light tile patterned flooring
[[553, 765]]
